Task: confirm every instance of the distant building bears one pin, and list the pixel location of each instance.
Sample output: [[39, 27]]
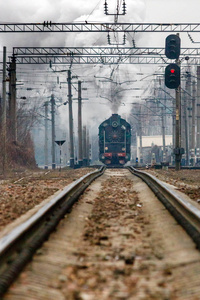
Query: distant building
[[153, 144]]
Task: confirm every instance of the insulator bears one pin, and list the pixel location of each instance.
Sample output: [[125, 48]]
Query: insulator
[[47, 23], [124, 39], [108, 36], [124, 7], [106, 8]]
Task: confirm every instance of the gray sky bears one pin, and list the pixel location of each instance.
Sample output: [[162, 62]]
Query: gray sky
[[171, 11], [160, 11]]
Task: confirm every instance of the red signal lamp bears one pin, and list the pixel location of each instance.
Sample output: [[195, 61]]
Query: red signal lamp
[[172, 76]]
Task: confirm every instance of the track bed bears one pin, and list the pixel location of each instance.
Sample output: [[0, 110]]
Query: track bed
[[118, 242]]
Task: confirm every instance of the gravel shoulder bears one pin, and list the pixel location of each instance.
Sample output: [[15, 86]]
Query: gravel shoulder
[[185, 181], [22, 192]]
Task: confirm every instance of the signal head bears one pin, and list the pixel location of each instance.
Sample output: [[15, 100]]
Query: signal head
[[172, 46], [172, 76]]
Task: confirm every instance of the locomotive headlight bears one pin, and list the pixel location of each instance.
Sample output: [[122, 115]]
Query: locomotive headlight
[[106, 148], [123, 149], [114, 124], [103, 157]]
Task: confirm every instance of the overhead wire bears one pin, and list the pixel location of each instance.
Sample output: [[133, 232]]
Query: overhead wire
[[93, 10]]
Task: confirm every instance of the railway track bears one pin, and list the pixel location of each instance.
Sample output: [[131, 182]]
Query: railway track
[[17, 248], [186, 214], [126, 206]]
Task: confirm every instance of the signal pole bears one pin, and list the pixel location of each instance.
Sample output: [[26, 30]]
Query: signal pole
[[178, 131], [172, 81], [163, 134]]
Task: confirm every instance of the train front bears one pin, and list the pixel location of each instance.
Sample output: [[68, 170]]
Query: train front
[[114, 141]]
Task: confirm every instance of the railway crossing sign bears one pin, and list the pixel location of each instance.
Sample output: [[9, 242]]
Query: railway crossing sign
[[60, 143]]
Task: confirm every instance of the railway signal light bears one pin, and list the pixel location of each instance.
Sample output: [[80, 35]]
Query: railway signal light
[[172, 76], [172, 46]]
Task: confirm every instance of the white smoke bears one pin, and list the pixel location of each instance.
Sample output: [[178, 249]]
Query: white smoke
[[98, 107]]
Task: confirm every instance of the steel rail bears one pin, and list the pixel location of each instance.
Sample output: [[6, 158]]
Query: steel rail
[[186, 214], [18, 247]]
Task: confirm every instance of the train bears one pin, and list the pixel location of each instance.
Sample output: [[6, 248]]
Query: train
[[114, 141]]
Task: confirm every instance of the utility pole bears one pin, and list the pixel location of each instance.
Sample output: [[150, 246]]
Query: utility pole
[[12, 101], [4, 135], [0, 113], [80, 139], [71, 136], [85, 146], [88, 146], [189, 109], [53, 130], [46, 136], [192, 150], [198, 117], [186, 144], [140, 133]]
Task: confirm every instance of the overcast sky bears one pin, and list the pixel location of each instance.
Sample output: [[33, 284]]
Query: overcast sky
[[171, 11], [159, 11], [162, 11]]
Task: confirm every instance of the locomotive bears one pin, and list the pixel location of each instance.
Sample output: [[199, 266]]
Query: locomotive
[[114, 141]]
